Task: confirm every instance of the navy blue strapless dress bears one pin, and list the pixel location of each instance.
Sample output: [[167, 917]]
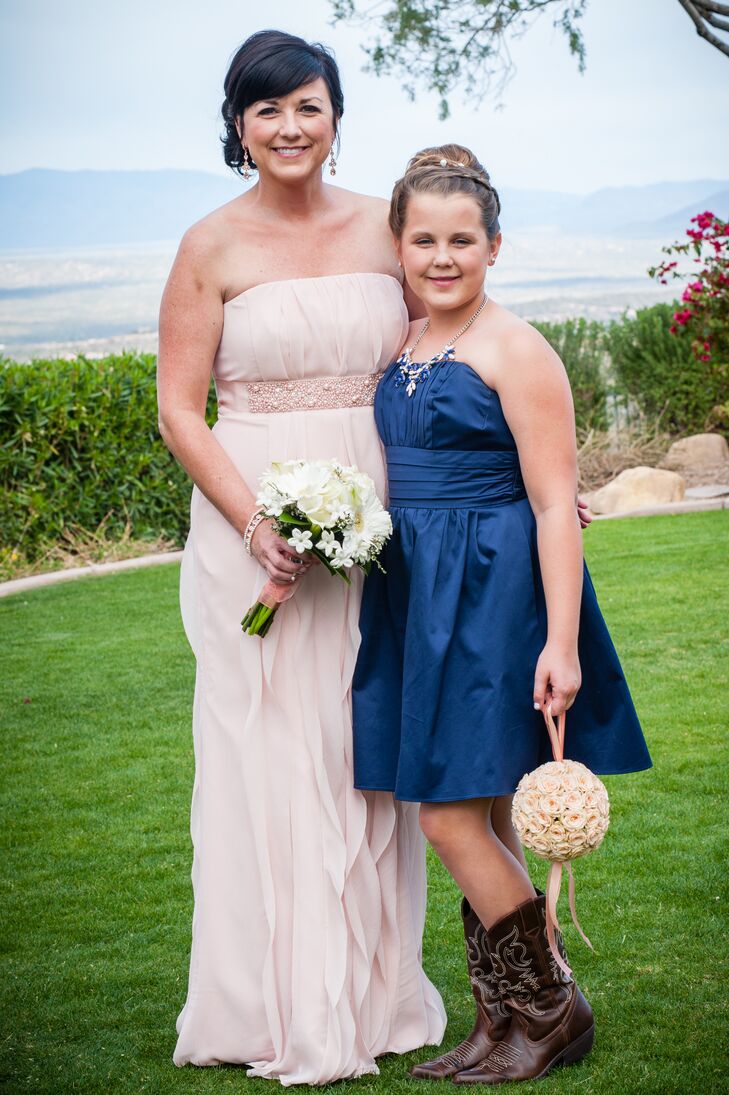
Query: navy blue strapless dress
[[451, 635]]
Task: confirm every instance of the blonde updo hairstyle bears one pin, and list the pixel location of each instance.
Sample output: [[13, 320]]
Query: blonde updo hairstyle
[[446, 169]]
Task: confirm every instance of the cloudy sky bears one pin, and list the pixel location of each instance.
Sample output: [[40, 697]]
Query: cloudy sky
[[137, 84]]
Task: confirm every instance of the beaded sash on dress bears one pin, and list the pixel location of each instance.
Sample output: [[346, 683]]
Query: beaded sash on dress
[[313, 393]]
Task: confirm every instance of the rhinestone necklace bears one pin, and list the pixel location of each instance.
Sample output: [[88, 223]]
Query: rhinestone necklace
[[412, 372]]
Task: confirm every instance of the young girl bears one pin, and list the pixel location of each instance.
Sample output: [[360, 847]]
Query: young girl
[[486, 615]]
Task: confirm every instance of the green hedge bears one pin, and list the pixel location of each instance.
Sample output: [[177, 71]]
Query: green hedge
[[78, 445], [659, 373], [581, 345]]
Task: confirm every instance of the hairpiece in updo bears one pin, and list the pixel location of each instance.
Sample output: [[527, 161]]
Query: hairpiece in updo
[[450, 163], [446, 169], [463, 171]]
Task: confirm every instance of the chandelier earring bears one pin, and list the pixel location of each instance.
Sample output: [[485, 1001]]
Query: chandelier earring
[[246, 164], [332, 163]]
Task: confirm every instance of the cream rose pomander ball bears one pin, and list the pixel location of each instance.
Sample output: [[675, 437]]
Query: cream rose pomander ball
[[560, 811]]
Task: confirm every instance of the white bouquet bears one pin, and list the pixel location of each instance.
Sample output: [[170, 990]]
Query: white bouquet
[[560, 811], [327, 509]]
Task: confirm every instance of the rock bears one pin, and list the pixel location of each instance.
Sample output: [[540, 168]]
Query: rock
[[698, 451], [635, 488]]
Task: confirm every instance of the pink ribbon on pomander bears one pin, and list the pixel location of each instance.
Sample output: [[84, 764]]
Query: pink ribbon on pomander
[[554, 878]]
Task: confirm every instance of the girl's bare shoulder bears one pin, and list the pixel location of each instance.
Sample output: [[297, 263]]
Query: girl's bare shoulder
[[504, 347], [525, 349], [510, 332]]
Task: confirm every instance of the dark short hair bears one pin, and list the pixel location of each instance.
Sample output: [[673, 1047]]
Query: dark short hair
[[269, 65]]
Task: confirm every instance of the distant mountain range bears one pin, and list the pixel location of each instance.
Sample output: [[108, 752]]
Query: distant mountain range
[[657, 211], [44, 208]]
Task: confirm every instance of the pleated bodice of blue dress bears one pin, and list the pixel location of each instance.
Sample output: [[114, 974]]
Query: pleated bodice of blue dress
[[451, 634]]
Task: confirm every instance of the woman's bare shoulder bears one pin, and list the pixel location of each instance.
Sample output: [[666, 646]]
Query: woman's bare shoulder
[[204, 253], [362, 201], [364, 232], [364, 206], [212, 232], [414, 329]]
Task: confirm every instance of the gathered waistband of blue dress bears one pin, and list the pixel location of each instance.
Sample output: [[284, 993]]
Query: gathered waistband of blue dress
[[452, 478]]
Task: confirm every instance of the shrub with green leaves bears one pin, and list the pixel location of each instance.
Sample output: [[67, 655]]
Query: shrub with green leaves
[[660, 373], [79, 445], [581, 345]]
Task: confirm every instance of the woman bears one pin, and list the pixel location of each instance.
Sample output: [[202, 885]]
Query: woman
[[482, 621], [309, 895]]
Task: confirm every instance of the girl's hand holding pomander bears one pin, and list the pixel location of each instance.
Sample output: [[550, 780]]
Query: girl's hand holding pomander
[[557, 679]]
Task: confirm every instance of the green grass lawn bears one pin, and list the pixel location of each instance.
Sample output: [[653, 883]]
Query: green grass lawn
[[95, 704]]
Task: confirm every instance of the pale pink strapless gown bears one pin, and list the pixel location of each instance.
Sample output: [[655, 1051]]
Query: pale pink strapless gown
[[309, 895]]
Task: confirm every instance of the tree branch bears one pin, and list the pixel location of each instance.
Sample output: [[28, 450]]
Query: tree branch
[[698, 19], [715, 14], [720, 21], [717, 21], [706, 5], [444, 45], [500, 22], [449, 45]]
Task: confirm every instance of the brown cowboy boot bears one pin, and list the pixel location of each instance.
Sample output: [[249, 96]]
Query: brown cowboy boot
[[492, 1018], [551, 1022]]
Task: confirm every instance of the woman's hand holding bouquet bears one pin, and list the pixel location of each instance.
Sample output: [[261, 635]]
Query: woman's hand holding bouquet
[[322, 510], [276, 557]]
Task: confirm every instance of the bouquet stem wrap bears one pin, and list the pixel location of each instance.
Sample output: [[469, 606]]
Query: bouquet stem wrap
[[554, 878], [260, 615]]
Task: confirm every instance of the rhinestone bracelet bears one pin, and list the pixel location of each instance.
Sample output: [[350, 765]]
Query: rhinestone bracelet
[[251, 527]]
